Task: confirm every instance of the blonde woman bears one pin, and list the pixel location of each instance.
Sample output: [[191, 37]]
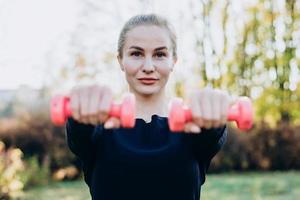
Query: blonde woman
[[148, 161]]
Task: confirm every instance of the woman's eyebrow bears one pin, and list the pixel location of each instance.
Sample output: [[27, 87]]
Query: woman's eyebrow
[[136, 47], [156, 49], [161, 48]]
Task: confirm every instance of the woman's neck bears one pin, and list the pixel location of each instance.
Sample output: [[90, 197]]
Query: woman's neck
[[146, 106]]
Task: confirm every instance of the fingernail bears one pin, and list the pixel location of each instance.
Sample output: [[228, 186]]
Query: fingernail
[[108, 125], [195, 129]]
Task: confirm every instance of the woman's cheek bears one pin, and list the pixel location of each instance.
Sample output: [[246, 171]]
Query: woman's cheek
[[132, 66], [164, 67]]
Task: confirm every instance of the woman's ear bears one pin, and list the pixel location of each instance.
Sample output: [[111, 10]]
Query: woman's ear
[[174, 61], [173, 64], [120, 62]]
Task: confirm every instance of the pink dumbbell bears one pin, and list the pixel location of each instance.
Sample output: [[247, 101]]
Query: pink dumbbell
[[60, 110], [241, 112]]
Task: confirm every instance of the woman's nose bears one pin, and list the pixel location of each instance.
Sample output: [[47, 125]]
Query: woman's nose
[[148, 65]]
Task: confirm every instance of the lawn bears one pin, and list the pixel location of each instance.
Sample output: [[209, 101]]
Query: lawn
[[231, 186], [253, 186]]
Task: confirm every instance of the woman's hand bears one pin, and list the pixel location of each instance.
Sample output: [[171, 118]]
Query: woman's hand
[[91, 105], [209, 109]]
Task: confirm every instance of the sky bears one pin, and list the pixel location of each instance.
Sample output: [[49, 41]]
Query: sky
[[27, 31]]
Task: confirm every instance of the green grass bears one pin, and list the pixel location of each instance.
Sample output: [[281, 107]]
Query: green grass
[[75, 190], [252, 186]]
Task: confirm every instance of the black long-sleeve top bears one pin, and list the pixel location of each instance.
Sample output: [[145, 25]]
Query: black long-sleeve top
[[146, 162]]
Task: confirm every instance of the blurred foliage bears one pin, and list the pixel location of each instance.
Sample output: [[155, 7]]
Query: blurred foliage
[[7, 110], [35, 173], [269, 108], [263, 148], [42, 143], [284, 88], [11, 165], [260, 57], [17, 173]]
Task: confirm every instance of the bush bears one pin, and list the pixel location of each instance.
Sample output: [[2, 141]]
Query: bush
[[11, 166], [37, 137], [35, 174], [17, 174], [262, 148]]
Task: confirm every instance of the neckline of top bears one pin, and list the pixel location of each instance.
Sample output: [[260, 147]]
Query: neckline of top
[[153, 118]]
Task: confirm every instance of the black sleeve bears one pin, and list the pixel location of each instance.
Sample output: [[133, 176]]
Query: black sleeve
[[81, 138], [83, 141], [205, 146], [208, 143]]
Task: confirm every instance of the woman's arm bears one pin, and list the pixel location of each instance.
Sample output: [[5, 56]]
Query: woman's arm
[[208, 143], [205, 146], [216, 139], [81, 138]]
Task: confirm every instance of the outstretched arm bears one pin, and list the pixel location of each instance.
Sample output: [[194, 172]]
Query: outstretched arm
[[79, 137], [208, 143]]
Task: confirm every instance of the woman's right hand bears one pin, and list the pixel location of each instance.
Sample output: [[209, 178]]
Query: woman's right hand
[[91, 105]]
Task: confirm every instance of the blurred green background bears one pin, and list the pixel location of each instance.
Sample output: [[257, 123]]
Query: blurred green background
[[247, 47]]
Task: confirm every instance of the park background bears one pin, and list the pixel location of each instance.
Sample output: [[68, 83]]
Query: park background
[[247, 47]]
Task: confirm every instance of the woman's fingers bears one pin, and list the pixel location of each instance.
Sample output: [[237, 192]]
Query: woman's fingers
[[195, 107], [91, 104], [112, 122], [95, 97], [191, 127], [206, 107], [75, 104], [105, 103], [225, 103], [216, 99], [209, 108], [84, 105]]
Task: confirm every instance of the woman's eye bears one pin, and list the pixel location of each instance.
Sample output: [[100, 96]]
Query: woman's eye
[[136, 54], [160, 54]]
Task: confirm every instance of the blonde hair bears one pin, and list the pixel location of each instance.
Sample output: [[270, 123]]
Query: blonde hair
[[149, 19]]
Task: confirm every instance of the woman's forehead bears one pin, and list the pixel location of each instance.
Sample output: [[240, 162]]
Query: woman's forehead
[[148, 36]]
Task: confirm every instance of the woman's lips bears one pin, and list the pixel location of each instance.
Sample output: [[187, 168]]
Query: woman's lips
[[148, 81]]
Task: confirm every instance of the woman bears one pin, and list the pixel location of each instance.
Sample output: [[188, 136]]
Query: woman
[[148, 161]]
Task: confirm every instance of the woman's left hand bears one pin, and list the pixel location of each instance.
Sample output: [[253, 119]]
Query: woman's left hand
[[209, 109]]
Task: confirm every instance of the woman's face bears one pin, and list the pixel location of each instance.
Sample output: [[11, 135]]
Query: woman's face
[[147, 59]]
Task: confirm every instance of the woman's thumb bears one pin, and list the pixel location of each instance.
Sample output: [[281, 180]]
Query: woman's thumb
[[112, 123]]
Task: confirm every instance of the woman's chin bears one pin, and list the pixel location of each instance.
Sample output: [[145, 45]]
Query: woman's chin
[[148, 90]]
